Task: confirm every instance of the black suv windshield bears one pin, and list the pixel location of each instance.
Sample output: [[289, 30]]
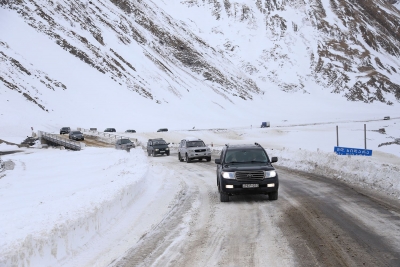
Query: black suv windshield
[[76, 132], [246, 156], [159, 142], [195, 144], [125, 141]]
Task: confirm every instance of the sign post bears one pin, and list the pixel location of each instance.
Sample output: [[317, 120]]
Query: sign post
[[365, 136], [352, 151], [337, 135]]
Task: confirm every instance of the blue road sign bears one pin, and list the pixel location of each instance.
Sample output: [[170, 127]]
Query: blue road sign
[[352, 151]]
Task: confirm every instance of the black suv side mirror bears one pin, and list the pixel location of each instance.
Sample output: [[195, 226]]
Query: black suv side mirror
[[274, 159], [218, 161]]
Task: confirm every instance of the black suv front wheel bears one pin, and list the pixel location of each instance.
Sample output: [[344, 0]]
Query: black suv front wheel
[[273, 195], [223, 197]]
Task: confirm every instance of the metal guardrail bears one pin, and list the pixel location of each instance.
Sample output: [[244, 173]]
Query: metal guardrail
[[106, 136], [74, 145]]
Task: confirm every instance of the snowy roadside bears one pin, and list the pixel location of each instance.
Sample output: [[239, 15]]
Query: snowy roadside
[[54, 202], [364, 171]]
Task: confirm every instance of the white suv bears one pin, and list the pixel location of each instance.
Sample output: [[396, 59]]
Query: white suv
[[192, 148]]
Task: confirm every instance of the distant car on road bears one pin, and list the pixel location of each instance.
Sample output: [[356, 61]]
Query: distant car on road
[[76, 135], [265, 124], [130, 131], [192, 148], [124, 143], [157, 146], [65, 130], [386, 118], [162, 130], [109, 130]]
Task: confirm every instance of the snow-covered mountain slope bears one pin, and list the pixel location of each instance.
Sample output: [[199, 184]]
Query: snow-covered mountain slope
[[346, 47], [208, 63]]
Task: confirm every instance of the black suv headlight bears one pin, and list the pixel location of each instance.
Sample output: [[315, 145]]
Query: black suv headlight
[[269, 174], [228, 175]]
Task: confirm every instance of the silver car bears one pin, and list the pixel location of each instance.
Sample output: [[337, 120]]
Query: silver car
[[124, 143], [193, 148]]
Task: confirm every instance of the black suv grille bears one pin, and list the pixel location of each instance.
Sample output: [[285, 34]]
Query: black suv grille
[[249, 175], [200, 150]]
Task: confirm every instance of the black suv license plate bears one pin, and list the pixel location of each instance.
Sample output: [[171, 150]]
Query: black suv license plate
[[250, 185]]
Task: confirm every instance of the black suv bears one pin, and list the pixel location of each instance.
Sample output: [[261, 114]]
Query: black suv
[[65, 130], [246, 169], [109, 130], [157, 146]]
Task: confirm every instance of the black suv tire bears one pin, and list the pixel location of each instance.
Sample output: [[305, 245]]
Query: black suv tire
[[223, 197], [273, 195]]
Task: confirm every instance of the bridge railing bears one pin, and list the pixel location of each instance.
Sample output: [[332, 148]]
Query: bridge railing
[[74, 145], [107, 136]]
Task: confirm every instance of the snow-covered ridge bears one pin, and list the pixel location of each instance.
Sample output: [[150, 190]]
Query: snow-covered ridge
[[241, 47]]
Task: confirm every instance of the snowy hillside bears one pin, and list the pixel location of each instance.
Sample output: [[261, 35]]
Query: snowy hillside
[[207, 64]]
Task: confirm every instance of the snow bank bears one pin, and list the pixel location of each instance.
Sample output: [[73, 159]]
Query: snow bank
[[80, 201], [5, 147], [364, 171]]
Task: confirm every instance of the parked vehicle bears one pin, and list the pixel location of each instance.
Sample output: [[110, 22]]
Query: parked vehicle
[[130, 131], [124, 143], [246, 169], [157, 146], [76, 135], [386, 118], [65, 130], [192, 148], [109, 130], [162, 130], [265, 124]]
